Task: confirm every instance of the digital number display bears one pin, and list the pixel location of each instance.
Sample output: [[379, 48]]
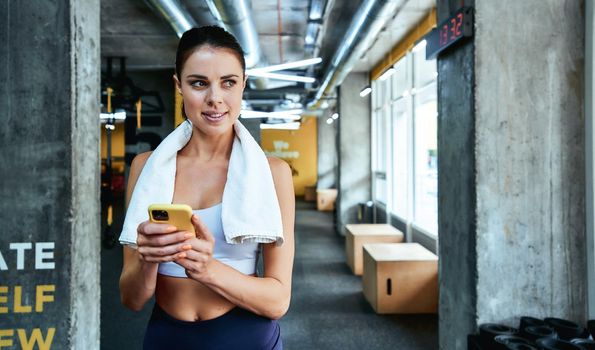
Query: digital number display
[[457, 27]]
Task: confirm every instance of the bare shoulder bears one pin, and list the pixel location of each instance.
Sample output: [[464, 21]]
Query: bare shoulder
[[279, 167], [140, 159], [138, 162], [135, 169]]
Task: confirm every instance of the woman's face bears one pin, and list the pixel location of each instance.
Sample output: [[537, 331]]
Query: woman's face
[[211, 83]]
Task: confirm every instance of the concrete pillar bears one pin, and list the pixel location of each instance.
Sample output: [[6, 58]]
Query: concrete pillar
[[456, 187], [327, 152], [49, 164], [354, 149], [511, 168]]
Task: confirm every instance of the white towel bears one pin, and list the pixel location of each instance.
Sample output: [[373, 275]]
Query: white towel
[[250, 208]]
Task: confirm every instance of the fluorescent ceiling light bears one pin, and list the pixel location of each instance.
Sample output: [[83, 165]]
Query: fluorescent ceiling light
[[315, 10], [293, 114], [365, 91], [281, 126], [387, 74], [282, 77], [288, 65]]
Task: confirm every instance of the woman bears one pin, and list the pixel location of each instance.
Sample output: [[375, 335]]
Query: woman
[[210, 304]]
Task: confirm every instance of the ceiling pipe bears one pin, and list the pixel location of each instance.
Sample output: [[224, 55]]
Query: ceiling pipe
[[174, 13], [370, 18], [236, 17]]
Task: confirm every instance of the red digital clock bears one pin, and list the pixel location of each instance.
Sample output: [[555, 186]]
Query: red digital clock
[[452, 30]]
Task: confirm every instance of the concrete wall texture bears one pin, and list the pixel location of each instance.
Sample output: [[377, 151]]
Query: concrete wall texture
[[354, 149], [530, 160], [49, 160], [511, 176], [456, 191], [327, 152]]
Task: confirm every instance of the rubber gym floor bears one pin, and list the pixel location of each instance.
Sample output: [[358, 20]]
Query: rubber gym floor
[[328, 309]]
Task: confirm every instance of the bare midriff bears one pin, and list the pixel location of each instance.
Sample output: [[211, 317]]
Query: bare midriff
[[188, 300]]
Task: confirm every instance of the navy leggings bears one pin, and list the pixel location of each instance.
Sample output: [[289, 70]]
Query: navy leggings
[[237, 329]]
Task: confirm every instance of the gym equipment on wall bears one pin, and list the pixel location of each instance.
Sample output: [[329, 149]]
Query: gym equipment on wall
[[122, 101]]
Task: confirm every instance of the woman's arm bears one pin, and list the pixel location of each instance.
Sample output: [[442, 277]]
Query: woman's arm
[[269, 295], [156, 243], [138, 278]]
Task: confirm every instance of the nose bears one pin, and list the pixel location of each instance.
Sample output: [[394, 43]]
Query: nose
[[214, 95]]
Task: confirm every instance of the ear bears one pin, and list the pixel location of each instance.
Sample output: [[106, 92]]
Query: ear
[[178, 84]]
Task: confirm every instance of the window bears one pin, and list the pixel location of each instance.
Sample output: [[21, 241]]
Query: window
[[405, 142], [425, 186], [381, 141]]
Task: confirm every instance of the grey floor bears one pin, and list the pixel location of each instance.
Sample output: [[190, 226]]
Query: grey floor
[[328, 309]]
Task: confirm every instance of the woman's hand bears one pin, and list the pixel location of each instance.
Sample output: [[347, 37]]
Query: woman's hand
[[197, 253], [159, 243]]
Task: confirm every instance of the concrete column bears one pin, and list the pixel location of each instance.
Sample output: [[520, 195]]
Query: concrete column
[[49, 164], [512, 173], [354, 149], [327, 152], [457, 197]]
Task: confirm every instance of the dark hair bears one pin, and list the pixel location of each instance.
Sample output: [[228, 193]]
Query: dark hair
[[213, 36]]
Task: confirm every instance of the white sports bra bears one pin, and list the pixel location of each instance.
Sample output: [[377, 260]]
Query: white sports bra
[[242, 257]]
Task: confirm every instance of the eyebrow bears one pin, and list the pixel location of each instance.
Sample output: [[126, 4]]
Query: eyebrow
[[198, 76]]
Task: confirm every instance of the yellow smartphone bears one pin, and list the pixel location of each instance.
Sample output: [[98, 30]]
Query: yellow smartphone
[[178, 215]]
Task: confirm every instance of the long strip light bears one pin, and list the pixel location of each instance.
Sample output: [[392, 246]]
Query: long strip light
[[293, 114], [387, 74], [288, 65], [281, 126], [365, 91], [278, 76]]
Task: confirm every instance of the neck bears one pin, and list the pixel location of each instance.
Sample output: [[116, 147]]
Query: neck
[[206, 147]]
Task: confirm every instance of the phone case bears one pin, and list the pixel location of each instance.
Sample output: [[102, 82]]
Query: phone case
[[178, 215]]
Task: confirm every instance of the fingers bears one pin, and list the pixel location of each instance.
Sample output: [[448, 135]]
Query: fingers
[[198, 246], [150, 228], [165, 253], [202, 231], [195, 258], [158, 235], [196, 264], [160, 242]]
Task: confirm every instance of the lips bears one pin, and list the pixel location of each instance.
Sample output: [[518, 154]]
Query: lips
[[214, 116]]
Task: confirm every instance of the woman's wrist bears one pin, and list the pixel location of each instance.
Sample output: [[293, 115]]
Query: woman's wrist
[[208, 277]]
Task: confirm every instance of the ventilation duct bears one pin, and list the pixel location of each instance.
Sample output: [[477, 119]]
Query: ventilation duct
[[233, 15], [174, 13], [370, 18], [237, 19]]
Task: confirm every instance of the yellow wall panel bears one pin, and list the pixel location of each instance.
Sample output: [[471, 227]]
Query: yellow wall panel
[[299, 148]]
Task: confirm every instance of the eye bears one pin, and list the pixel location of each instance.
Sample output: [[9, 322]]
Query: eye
[[199, 83], [229, 83]]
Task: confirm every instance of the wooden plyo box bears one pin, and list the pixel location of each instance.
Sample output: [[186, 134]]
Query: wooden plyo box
[[359, 234], [310, 193], [400, 278], [325, 199]]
